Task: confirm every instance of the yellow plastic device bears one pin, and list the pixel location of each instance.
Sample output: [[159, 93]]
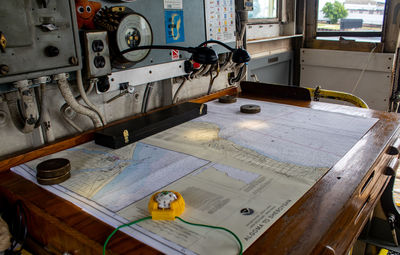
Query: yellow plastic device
[[166, 205], [383, 252]]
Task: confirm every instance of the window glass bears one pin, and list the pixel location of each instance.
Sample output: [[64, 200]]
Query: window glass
[[264, 9], [350, 15]]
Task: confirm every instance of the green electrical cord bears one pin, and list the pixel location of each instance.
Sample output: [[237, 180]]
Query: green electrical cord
[[215, 227], [190, 223], [122, 226]]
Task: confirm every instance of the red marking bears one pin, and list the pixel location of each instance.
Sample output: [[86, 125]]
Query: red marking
[[196, 65], [175, 54]]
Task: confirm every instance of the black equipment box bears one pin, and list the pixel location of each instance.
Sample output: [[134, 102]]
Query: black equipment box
[[131, 131], [351, 23]]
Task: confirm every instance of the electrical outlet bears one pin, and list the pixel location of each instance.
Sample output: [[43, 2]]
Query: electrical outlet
[[97, 54]]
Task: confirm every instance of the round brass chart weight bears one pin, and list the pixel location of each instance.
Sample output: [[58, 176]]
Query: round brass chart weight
[[250, 108], [53, 171]]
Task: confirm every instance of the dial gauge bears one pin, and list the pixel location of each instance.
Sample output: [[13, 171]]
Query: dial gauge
[[134, 31]]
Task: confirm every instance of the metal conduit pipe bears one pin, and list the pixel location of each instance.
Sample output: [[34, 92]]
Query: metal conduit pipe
[[66, 92], [86, 99], [67, 118], [24, 114], [65, 108], [45, 116]]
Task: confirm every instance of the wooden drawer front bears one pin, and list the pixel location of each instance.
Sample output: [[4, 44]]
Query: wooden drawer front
[[357, 210]]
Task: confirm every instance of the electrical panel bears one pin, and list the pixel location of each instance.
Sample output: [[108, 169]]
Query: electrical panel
[[178, 23], [191, 33], [37, 38], [43, 39]]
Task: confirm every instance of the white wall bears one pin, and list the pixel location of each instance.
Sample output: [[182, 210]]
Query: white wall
[[340, 70]]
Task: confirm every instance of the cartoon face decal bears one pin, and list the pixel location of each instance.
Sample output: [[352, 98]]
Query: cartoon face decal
[[85, 11]]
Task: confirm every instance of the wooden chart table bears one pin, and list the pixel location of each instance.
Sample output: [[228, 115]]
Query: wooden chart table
[[326, 220]]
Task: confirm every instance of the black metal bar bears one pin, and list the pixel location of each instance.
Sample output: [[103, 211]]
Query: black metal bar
[[131, 131]]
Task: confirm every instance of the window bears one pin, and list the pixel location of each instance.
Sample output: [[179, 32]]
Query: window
[[263, 9], [359, 20]]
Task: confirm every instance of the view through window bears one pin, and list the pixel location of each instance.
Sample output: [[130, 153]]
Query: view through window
[[264, 9], [350, 16]]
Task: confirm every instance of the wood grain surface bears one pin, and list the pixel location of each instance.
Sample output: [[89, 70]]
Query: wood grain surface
[[326, 220]]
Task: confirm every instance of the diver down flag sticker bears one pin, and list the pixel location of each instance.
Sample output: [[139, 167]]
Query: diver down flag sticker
[[175, 54], [174, 28]]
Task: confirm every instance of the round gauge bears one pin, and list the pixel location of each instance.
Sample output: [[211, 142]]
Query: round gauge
[[134, 31]]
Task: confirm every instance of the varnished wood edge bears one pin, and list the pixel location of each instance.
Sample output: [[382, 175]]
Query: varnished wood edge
[[204, 99], [345, 45]]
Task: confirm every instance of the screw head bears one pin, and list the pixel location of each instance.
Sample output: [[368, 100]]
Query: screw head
[[73, 61], [4, 69]]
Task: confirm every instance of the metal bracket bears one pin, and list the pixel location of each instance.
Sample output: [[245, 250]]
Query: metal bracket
[[316, 93]]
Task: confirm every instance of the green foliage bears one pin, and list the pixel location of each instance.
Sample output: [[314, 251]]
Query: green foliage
[[334, 11]]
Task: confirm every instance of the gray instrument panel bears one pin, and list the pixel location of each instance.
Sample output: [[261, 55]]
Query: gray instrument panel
[[153, 11], [44, 41], [40, 41]]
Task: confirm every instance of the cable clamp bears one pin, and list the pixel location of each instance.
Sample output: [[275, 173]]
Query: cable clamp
[[317, 93]]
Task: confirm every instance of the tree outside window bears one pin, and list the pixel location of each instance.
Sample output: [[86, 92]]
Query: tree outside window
[[334, 11]]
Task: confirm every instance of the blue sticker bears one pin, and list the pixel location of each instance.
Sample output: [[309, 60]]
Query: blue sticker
[[174, 29]]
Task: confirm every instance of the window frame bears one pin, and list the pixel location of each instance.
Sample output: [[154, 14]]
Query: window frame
[[255, 21], [360, 34]]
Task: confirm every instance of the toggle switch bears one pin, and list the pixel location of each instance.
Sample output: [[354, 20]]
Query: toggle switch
[[51, 51]]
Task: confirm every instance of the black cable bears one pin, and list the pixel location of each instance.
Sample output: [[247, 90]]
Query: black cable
[[18, 227], [238, 23], [227, 59], [237, 78], [160, 47], [147, 92], [39, 99], [177, 91], [216, 42], [148, 96], [144, 97], [166, 47], [212, 80]]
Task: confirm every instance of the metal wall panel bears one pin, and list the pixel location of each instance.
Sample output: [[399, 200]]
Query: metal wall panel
[[340, 70], [274, 69]]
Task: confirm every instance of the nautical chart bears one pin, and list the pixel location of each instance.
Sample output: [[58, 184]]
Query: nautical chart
[[221, 163]]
